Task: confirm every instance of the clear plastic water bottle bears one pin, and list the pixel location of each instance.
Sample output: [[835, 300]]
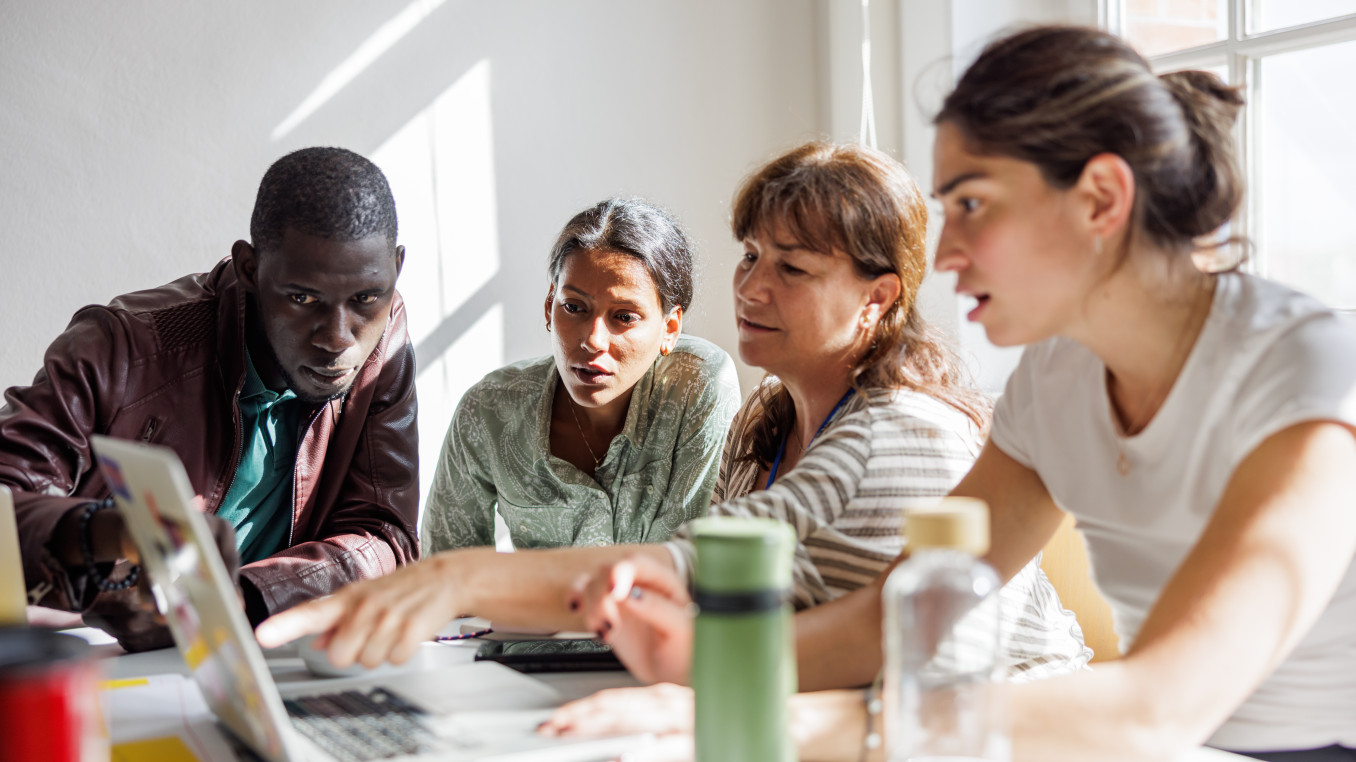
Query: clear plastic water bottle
[[942, 641]]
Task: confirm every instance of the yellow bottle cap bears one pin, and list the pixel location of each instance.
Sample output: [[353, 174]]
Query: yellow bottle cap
[[955, 523]]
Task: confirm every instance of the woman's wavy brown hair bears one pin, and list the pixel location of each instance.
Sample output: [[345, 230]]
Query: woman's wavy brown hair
[[859, 201]]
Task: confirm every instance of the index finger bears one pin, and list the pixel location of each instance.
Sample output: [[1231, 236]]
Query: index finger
[[310, 618]]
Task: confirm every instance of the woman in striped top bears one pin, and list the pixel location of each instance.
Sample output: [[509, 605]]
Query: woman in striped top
[[863, 415]]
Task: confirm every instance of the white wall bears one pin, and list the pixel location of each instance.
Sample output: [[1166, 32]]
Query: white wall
[[135, 133]]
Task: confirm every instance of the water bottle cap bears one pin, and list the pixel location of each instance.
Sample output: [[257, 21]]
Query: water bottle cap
[[954, 523], [742, 554]]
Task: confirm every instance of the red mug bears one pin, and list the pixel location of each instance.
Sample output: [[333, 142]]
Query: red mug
[[49, 702]]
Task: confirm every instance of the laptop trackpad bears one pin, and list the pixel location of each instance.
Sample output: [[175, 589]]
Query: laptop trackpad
[[481, 710]]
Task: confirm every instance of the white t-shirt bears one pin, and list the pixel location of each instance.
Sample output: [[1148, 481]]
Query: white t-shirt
[[1267, 358]]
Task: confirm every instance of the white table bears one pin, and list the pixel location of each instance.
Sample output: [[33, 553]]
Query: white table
[[287, 668], [151, 697]]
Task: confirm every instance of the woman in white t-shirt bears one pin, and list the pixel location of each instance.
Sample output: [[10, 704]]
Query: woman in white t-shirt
[[1198, 426]]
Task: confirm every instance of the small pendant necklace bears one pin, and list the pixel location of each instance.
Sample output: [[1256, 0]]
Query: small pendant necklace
[[596, 460], [1122, 462]]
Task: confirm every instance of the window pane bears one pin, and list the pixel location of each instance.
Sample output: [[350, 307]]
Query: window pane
[[1163, 26], [1307, 155], [1276, 14]]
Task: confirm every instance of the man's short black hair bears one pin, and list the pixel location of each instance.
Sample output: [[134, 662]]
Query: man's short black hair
[[327, 192]]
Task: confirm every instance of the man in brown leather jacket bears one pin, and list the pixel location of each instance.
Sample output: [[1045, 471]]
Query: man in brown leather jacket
[[284, 380]]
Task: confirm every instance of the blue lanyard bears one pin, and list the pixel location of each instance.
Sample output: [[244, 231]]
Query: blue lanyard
[[777, 462]]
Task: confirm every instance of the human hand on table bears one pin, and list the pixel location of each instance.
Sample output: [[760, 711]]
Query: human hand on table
[[664, 710], [372, 621], [131, 615], [641, 609], [826, 725]]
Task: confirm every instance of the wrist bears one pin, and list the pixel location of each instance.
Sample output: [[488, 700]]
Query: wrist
[[105, 532], [106, 535], [100, 543], [455, 570], [829, 725]]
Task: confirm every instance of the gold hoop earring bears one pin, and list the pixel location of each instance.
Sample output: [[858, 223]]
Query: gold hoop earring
[[548, 326]]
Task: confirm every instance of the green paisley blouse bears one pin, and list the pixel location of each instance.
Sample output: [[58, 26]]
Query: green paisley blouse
[[658, 473]]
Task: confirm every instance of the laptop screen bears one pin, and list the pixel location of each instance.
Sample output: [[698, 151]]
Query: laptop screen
[[13, 599], [194, 591]]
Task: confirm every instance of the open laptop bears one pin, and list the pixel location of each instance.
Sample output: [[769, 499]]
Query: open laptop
[[13, 597], [472, 711]]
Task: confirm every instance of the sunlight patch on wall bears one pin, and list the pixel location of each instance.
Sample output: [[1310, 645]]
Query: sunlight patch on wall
[[440, 166], [444, 380], [382, 40], [441, 169]]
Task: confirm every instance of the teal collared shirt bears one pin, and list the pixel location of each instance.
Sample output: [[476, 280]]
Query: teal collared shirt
[[259, 502]]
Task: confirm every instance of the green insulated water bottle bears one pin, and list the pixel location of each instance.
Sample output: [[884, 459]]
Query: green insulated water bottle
[[743, 660]]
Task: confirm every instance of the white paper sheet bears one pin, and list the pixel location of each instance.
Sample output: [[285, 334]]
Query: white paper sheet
[[162, 706]]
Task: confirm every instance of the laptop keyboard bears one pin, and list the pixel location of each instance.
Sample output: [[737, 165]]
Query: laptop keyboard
[[362, 725]]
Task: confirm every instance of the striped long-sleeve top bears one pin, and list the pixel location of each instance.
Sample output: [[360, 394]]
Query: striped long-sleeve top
[[888, 450]]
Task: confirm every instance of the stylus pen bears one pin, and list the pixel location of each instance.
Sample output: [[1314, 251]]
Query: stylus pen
[[462, 636]]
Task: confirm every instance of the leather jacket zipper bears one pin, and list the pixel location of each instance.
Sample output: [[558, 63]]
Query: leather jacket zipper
[[239, 446], [292, 526]]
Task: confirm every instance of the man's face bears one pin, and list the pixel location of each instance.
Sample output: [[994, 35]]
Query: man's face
[[323, 305]]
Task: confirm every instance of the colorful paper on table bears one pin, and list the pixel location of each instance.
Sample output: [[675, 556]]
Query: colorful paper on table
[[171, 749], [157, 709]]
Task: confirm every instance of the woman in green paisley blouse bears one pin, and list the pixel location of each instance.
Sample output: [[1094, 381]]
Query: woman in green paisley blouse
[[615, 437]]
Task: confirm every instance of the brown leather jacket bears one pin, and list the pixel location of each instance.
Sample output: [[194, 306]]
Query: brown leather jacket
[[166, 366]]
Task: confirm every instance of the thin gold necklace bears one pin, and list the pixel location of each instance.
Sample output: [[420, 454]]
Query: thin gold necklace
[[596, 460], [1160, 394]]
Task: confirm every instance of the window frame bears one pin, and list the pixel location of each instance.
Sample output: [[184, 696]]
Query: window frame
[[1242, 53]]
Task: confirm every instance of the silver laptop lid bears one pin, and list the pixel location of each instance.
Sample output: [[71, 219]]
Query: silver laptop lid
[[195, 593], [13, 598]]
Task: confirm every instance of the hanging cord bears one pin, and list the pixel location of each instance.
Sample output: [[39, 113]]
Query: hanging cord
[[866, 133]]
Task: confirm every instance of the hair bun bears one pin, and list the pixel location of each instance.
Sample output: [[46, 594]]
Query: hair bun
[[1210, 108], [1204, 96]]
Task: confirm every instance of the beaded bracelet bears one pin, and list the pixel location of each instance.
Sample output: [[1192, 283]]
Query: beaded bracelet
[[101, 580], [871, 695]]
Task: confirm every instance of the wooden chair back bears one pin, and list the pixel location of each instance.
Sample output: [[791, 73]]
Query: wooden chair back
[[1065, 561]]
